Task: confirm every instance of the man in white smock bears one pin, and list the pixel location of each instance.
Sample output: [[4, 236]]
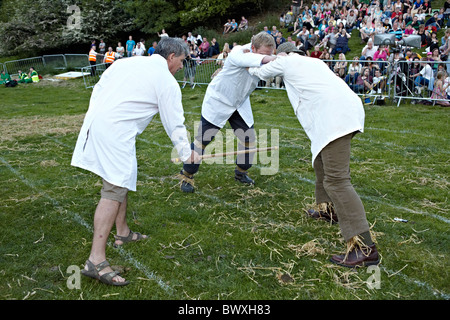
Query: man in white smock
[[227, 98], [331, 114], [118, 112]]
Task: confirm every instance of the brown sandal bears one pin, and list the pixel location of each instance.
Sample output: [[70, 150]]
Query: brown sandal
[[128, 238], [106, 278]]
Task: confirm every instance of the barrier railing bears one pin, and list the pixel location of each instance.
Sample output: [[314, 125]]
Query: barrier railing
[[92, 74], [410, 83], [397, 81], [13, 67], [56, 61]]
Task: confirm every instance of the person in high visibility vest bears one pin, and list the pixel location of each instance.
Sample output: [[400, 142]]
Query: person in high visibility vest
[[22, 77], [93, 60], [32, 76], [110, 57]]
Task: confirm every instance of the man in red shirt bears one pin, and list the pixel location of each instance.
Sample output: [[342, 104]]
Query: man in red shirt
[[316, 53]]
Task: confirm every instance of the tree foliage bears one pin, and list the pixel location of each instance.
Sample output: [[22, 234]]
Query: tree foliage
[[37, 26]]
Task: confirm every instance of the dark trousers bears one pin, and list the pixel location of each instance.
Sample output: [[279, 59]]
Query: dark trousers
[[93, 67], [207, 131], [332, 168]]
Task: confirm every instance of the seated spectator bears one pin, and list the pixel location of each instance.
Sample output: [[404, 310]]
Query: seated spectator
[[351, 20], [366, 31], [204, 47], [381, 54], [243, 25], [440, 18], [313, 39], [409, 30], [331, 39], [415, 23], [282, 21], [416, 6], [326, 57], [227, 26], [214, 48], [234, 26], [340, 66], [353, 72], [341, 42], [369, 50], [426, 6], [22, 77], [423, 35], [33, 76], [4, 77], [425, 76], [303, 35], [432, 42], [396, 30], [316, 53], [363, 82], [379, 82], [433, 21]]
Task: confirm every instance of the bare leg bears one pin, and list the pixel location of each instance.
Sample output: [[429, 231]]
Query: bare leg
[[105, 215], [121, 222]]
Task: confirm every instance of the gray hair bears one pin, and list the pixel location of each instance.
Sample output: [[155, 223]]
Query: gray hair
[[167, 46]]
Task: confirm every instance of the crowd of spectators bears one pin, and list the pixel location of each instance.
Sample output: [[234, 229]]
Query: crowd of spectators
[[322, 29]]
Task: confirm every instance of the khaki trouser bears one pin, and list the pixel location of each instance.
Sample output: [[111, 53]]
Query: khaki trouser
[[332, 168]]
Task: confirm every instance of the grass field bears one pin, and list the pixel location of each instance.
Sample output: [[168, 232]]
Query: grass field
[[227, 241]]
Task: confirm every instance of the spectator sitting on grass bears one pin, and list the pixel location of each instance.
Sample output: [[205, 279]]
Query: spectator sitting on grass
[[234, 25], [243, 25], [5, 77], [316, 52], [227, 26], [22, 77], [204, 47], [213, 48]]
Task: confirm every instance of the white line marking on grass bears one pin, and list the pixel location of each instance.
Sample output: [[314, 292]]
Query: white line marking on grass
[[77, 218]]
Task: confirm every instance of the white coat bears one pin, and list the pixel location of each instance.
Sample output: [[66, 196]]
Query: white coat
[[123, 103], [324, 104], [230, 90]]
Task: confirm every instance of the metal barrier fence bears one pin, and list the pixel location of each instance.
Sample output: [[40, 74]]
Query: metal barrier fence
[[13, 67], [202, 71], [410, 83], [56, 61], [92, 74]]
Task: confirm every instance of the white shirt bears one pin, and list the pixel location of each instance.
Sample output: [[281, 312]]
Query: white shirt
[[123, 103], [427, 72], [324, 104], [369, 52], [230, 90]]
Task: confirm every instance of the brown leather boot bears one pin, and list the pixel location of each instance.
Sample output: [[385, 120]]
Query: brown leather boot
[[359, 256], [325, 212]]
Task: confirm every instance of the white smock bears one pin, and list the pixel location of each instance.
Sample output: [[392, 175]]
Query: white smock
[[230, 90], [324, 104], [123, 103]]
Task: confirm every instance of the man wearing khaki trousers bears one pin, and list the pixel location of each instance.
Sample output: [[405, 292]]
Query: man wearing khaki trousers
[[331, 114]]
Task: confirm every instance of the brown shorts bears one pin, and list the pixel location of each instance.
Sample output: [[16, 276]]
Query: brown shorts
[[112, 192]]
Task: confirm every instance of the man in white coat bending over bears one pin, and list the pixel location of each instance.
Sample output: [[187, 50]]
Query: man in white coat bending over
[[118, 112], [331, 114], [228, 99]]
